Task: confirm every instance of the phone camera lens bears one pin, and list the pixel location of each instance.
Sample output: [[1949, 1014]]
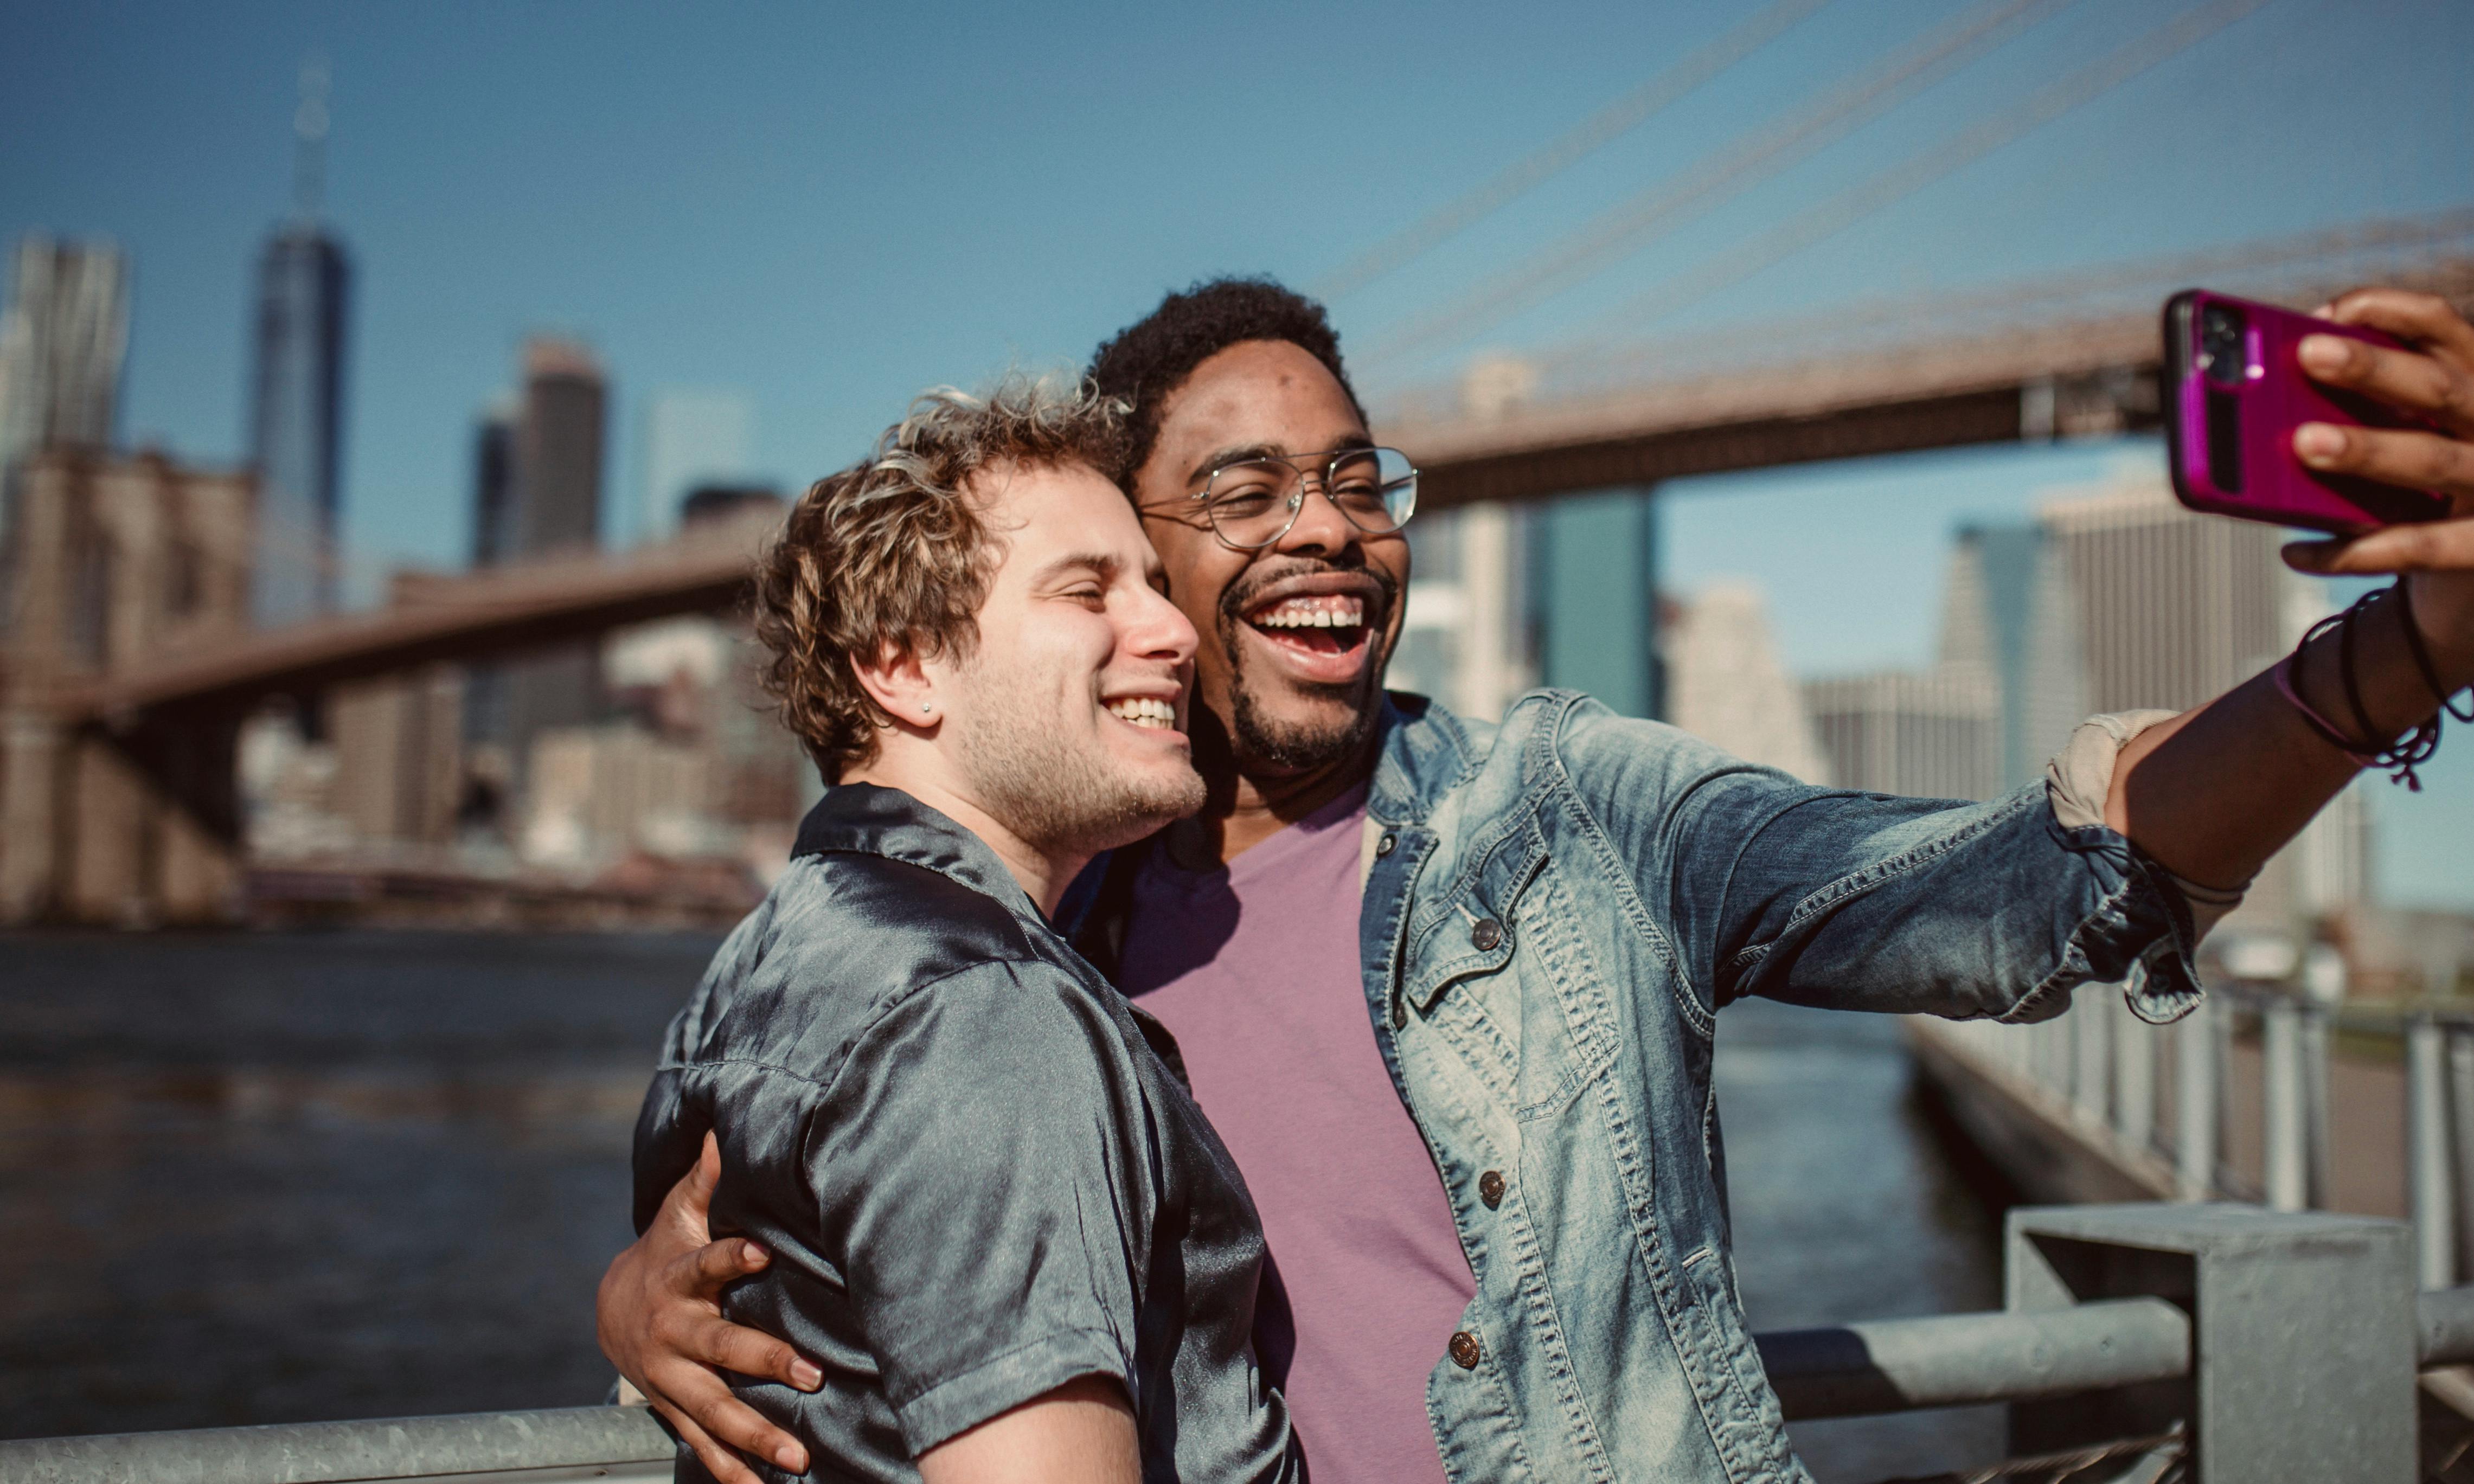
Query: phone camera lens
[[2221, 351]]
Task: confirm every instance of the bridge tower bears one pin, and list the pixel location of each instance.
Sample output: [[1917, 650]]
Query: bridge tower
[[115, 560]]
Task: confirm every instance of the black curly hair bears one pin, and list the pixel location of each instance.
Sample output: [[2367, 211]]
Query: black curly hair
[[1151, 357]]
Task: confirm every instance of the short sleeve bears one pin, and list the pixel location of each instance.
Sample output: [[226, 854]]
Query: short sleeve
[[980, 1171]]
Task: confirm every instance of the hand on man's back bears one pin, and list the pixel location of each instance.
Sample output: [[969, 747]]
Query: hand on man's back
[[658, 1316]]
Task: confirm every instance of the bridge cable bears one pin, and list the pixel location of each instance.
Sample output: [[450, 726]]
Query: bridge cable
[[1835, 215], [1631, 225], [1600, 129], [2326, 246]]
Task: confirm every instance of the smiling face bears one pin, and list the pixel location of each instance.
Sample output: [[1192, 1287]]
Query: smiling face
[[1063, 721], [1296, 636]]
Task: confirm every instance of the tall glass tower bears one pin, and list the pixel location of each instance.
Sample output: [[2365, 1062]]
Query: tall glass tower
[[296, 394]]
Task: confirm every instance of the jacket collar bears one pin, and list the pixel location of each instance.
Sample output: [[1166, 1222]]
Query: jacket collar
[[865, 820], [1423, 752]]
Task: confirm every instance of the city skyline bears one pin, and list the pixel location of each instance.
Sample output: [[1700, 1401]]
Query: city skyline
[[494, 191]]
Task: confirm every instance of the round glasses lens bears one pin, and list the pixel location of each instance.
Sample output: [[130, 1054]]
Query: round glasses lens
[[1250, 501], [1375, 488]]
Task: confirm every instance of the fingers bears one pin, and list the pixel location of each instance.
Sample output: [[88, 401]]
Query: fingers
[[718, 1458], [717, 1265], [2406, 379], [2409, 459], [2426, 319], [685, 1220], [724, 1422], [718, 1342], [2432, 545]]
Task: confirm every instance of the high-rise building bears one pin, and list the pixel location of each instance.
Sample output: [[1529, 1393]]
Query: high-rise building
[[692, 438], [2009, 610], [556, 511], [1727, 685], [494, 513], [61, 341], [1592, 589], [2175, 608], [1934, 734], [295, 423]]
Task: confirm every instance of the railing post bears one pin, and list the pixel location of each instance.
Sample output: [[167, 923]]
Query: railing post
[[2461, 1108], [2426, 1154], [2281, 1100], [2091, 1065], [2134, 1076], [2303, 1331], [2194, 1100], [2323, 990]]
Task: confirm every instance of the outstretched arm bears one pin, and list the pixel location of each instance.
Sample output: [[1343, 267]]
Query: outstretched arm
[[659, 1314], [2213, 792]]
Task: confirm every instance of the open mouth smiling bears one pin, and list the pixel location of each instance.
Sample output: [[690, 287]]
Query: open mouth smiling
[[1322, 629]]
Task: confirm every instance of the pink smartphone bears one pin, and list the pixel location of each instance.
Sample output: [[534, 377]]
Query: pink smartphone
[[2234, 393]]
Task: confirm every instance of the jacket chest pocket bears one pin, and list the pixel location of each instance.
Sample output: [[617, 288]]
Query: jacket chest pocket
[[1501, 972]]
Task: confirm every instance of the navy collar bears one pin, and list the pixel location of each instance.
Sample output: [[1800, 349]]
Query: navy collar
[[865, 819]]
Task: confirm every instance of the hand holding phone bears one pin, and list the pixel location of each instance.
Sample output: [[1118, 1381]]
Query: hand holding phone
[[2236, 392]]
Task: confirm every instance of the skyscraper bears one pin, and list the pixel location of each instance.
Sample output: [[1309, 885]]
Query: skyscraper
[[61, 341], [1933, 735], [556, 511], [2009, 610], [297, 391]]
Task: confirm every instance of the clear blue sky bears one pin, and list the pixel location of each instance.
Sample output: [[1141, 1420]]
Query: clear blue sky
[[831, 206]]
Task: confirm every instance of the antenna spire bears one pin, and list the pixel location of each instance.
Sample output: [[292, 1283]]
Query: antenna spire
[[310, 139]]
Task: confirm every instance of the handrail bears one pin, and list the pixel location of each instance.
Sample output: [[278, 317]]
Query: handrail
[[1854, 1370], [560, 1444], [1954, 1359]]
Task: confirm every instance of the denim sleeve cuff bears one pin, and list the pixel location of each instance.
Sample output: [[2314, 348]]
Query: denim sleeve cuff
[[1005, 1381], [2160, 986]]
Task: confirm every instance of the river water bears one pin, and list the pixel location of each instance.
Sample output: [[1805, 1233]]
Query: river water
[[258, 1179]]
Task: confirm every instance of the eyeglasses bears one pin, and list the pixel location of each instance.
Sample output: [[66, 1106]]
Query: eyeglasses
[[1253, 503]]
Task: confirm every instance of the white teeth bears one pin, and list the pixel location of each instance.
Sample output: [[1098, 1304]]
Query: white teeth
[[1144, 711], [1314, 612]]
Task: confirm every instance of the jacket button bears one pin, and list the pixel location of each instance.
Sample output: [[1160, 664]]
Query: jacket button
[[1465, 1351], [1399, 1013], [1486, 935], [1383, 846], [1490, 1189]]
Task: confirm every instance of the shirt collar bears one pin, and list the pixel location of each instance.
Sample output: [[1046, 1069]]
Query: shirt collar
[[866, 818]]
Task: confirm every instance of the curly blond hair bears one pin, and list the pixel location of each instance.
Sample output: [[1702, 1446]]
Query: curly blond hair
[[893, 553]]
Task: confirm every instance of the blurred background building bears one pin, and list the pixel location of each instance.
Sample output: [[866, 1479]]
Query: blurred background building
[[62, 336], [296, 422]]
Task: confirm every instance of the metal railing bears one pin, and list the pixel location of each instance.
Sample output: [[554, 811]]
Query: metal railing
[[2159, 1101], [2068, 1338]]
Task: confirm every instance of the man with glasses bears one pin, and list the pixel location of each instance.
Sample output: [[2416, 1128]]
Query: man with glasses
[[1447, 989]]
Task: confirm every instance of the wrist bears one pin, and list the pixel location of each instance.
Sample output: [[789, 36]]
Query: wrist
[[2442, 607]]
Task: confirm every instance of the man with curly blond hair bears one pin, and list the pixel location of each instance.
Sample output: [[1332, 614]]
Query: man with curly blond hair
[[993, 1213]]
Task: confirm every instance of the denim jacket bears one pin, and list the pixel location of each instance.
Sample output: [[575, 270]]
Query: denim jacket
[[1556, 908]]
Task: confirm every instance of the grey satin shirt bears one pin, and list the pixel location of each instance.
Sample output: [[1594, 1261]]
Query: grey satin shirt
[[978, 1168]]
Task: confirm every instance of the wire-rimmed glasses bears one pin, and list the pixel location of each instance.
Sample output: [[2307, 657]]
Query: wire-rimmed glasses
[[1253, 503]]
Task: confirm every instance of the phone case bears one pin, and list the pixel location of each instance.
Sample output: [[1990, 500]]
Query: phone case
[[2229, 427]]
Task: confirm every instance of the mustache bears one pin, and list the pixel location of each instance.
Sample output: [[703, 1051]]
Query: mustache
[[1241, 595]]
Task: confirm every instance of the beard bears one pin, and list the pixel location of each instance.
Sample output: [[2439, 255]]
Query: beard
[[1258, 733], [1056, 788]]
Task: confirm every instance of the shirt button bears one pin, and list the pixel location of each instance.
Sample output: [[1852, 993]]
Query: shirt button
[[1383, 846], [1399, 1013], [1490, 1189], [1465, 1351], [1486, 935]]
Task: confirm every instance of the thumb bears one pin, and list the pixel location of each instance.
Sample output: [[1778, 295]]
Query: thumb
[[688, 1207]]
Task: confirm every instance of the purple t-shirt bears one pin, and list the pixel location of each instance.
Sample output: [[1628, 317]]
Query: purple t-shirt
[[1253, 968]]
